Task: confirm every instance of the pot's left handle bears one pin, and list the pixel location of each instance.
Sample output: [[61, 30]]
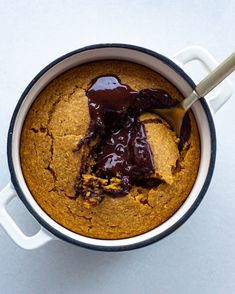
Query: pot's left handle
[[26, 242]]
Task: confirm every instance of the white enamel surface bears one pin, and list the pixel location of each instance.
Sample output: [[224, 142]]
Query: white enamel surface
[[146, 60]]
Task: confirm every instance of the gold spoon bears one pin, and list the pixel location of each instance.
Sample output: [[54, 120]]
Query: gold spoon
[[174, 115]]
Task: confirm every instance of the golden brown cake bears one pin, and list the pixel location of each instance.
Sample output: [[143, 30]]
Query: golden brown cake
[[59, 118]]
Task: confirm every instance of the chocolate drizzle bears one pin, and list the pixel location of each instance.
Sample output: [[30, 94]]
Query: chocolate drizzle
[[121, 155]]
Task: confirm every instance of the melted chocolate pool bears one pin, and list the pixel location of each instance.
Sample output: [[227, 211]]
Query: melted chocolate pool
[[121, 155]]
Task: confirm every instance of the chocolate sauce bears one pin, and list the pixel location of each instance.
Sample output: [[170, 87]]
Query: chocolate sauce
[[121, 150], [125, 152]]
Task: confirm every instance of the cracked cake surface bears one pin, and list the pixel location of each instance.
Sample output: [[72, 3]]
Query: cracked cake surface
[[57, 121]]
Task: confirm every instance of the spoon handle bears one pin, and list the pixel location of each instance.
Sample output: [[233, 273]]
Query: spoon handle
[[216, 76]]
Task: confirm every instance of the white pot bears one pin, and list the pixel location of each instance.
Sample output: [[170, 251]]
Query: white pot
[[203, 112]]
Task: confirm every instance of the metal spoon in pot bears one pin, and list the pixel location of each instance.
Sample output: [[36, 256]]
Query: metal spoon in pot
[[174, 115]]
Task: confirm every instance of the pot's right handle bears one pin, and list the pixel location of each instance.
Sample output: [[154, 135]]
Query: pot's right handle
[[224, 90], [9, 225]]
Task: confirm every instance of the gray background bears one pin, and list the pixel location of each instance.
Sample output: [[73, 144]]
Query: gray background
[[200, 256]]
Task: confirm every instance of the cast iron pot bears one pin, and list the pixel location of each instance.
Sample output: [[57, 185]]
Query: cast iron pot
[[172, 70]]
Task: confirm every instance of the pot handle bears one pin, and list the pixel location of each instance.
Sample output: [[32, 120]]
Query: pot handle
[[8, 224], [224, 90]]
